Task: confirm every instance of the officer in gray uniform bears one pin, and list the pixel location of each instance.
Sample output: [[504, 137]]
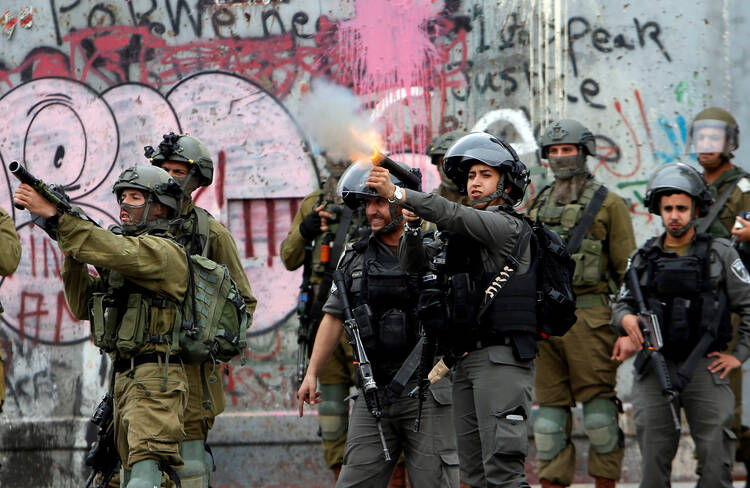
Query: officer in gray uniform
[[691, 281], [494, 373], [376, 284]]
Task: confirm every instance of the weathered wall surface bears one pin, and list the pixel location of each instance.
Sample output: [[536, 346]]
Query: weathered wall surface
[[84, 85]]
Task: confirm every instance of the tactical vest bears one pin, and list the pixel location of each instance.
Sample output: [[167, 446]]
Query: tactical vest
[[389, 297], [511, 312], [590, 270], [123, 318], [680, 291]]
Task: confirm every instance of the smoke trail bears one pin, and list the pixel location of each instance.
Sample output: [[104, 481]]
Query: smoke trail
[[332, 117]]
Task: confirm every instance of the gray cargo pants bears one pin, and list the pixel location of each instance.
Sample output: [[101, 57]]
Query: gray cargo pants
[[492, 395], [708, 403], [431, 457]]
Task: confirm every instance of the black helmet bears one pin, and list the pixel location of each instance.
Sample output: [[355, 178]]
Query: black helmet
[[677, 177], [352, 187], [480, 147], [184, 149]]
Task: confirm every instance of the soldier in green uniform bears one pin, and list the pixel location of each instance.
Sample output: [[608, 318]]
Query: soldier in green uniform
[[578, 367], [321, 228], [690, 281], [9, 259], [713, 136], [436, 150], [188, 161], [133, 306]]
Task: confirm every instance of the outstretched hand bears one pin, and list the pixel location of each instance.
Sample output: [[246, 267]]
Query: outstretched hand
[[308, 392]]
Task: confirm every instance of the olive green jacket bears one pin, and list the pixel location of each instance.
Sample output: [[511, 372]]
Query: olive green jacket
[[155, 263], [614, 227], [10, 245], [223, 250], [293, 246], [738, 201]]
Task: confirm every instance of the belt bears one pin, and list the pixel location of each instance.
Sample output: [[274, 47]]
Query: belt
[[591, 300], [492, 341], [122, 365]]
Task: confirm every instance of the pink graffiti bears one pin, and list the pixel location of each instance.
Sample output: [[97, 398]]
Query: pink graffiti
[[69, 134]]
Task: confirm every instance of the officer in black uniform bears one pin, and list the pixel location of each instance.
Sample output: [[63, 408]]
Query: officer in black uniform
[[494, 373], [690, 281], [387, 296]]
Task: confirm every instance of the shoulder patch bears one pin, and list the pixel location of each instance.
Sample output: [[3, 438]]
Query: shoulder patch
[[739, 270], [744, 185]]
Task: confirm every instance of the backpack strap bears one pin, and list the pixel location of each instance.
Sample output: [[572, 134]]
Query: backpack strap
[[204, 231], [539, 197], [576, 238]]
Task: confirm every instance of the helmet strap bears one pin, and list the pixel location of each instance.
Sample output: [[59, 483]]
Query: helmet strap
[[394, 223]]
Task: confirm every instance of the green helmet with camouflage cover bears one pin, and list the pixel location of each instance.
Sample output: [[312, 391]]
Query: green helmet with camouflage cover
[[156, 186], [713, 118], [440, 145], [568, 131], [184, 149]]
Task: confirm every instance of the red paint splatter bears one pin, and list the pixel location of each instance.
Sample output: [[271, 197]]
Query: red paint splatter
[[618, 107], [221, 167], [645, 121], [247, 218], [33, 256], [269, 355], [36, 313], [271, 230]]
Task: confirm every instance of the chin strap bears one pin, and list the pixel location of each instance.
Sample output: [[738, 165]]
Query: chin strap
[[395, 221], [499, 193]]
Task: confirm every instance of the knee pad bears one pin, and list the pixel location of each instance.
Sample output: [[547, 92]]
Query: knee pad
[[550, 431], [194, 473], [600, 422], [144, 474], [333, 412]]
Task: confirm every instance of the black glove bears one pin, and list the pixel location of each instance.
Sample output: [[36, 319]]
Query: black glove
[[310, 226]]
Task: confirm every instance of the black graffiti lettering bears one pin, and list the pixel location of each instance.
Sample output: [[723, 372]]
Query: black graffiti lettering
[[654, 35], [612, 153], [600, 37], [222, 17], [59, 155], [508, 33], [482, 87], [299, 20], [478, 15], [512, 84], [143, 18], [466, 72], [69, 7], [620, 41], [267, 14], [590, 88], [196, 20], [98, 20], [573, 36]]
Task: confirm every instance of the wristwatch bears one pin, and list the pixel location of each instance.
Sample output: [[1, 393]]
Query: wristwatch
[[398, 195]]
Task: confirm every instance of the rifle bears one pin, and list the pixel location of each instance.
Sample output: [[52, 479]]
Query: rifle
[[652, 344], [412, 178], [102, 457], [361, 363], [55, 194], [431, 314]]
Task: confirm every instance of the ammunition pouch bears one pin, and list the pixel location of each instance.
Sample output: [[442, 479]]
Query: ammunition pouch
[[678, 321], [132, 333], [363, 316], [678, 276], [393, 331], [103, 316], [461, 301], [588, 259]]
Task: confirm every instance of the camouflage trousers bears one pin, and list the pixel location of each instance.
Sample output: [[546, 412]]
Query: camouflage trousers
[[149, 409]]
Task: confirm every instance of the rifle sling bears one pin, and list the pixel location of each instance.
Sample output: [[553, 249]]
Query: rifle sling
[[405, 372], [576, 237], [713, 212], [325, 284], [495, 287]]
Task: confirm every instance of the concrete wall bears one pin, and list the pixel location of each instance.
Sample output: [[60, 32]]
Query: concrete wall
[[84, 85]]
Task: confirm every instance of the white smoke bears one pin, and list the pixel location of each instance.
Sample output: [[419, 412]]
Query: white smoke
[[332, 117]]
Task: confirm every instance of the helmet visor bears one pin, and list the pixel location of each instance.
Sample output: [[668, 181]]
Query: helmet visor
[[708, 136], [353, 183]]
